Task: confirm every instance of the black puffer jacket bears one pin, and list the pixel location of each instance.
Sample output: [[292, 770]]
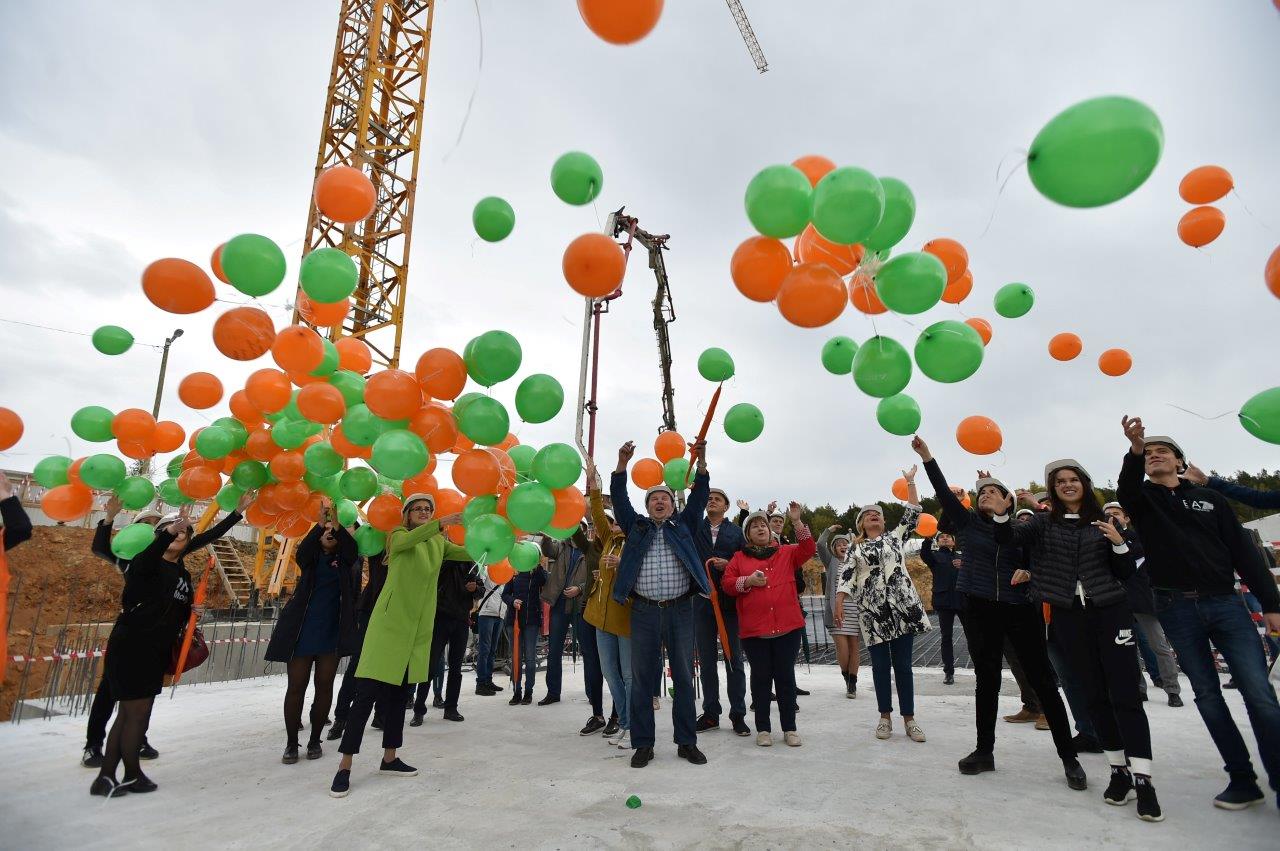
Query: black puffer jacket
[[377, 579], [289, 624], [1141, 600], [1065, 551]]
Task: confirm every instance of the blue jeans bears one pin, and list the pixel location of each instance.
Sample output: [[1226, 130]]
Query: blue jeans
[[592, 677], [488, 628], [651, 627], [615, 661], [894, 654], [1273, 644], [709, 655], [557, 633], [523, 681], [1190, 625]]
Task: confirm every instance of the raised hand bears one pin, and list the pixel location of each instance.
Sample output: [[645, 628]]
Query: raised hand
[[997, 502], [593, 477], [743, 505], [1109, 531], [1027, 498], [699, 448], [246, 499], [984, 474], [1019, 577], [773, 506], [795, 511], [910, 475], [449, 519], [1195, 475], [921, 448], [112, 507], [625, 451], [1135, 431]]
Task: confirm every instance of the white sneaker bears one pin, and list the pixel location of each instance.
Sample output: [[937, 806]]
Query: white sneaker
[[792, 738], [914, 732], [884, 729], [624, 740], [764, 739]]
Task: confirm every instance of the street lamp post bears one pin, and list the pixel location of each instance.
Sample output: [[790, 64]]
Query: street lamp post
[[164, 363]]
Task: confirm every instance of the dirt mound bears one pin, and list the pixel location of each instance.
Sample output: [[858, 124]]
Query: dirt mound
[[815, 578]]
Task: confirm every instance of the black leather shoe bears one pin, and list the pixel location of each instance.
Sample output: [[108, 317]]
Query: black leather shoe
[[148, 752], [691, 753], [485, 690], [105, 787], [438, 702], [642, 757], [802, 692], [548, 700], [335, 732], [528, 699], [92, 757], [314, 751], [138, 785], [416, 721], [706, 722], [610, 729], [290, 753], [452, 715], [949, 680], [740, 725], [514, 701], [1086, 744], [1075, 774], [977, 762], [1175, 700]]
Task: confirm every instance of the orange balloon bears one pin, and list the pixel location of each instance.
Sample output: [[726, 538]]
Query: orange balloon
[[73, 473], [353, 354], [927, 526], [647, 473], [268, 390], [215, 263], [1115, 362], [506, 469], [476, 472], [267, 498], [507, 442], [593, 265], [759, 266], [462, 444], [1271, 274], [434, 423], [346, 448], [260, 446], [200, 482], [620, 21], [812, 295], [1205, 184], [345, 194], [288, 466], [449, 501], [322, 314], [68, 502], [393, 394], [168, 436], [967, 502], [301, 379], [815, 167], [312, 509], [292, 495], [421, 483], [442, 373], [979, 435], [1065, 346], [959, 290], [1201, 226], [135, 449], [11, 428], [200, 390], [813, 247], [256, 515], [571, 507], [244, 333], [194, 459], [131, 424], [863, 295], [178, 286], [383, 512], [243, 410], [297, 348], [230, 461], [321, 403], [295, 527], [952, 255], [501, 572], [669, 445], [900, 489], [457, 534], [982, 326]]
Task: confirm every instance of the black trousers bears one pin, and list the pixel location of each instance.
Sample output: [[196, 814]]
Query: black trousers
[[946, 622], [347, 691], [391, 701], [773, 668], [1030, 702], [100, 715], [989, 625], [1102, 651], [452, 633]]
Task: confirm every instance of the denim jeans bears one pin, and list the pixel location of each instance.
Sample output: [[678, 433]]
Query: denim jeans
[[523, 680], [1190, 625], [709, 655], [488, 629], [592, 676], [615, 662], [894, 655], [651, 627], [557, 633]]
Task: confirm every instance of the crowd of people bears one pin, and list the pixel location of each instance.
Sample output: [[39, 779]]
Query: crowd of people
[[1074, 594]]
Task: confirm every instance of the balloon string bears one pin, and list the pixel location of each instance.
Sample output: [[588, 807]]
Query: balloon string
[[1202, 416], [1250, 212], [475, 88], [995, 203], [68, 331]]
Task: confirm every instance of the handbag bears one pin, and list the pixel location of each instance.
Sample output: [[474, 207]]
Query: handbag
[[196, 653]]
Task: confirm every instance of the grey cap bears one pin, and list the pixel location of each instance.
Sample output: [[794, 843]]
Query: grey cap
[[147, 514], [1164, 440], [1022, 511], [723, 495], [1054, 466], [418, 497], [755, 515], [1113, 505], [1040, 496], [658, 489], [987, 480]]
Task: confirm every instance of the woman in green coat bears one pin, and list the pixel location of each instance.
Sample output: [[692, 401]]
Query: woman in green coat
[[397, 642]]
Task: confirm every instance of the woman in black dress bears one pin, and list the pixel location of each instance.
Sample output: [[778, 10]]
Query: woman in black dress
[[317, 628], [154, 612]]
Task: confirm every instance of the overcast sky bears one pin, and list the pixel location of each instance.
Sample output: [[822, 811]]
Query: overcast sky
[[132, 131]]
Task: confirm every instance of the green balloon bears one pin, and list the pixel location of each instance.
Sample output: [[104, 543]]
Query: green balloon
[[556, 465], [370, 541], [1260, 416], [539, 398], [396, 486], [175, 466], [400, 454], [102, 472], [837, 355], [330, 486], [362, 426], [253, 264], [949, 351], [93, 423], [228, 496], [112, 340], [52, 471], [882, 367], [912, 282], [291, 411], [899, 213], [249, 475], [576, 178], [522, 456], [1014, 300], [170, 494], [135, 492], [346, 511], [460, 404], [898, 415], [715, 365], [485, 421], [489, 538], [560, 534], [478, 506], [131, 540], [290, 434], [524, 556], [1096, 152], [530, 506], [214, 442], [239, 433], [328, 275], [493, 219], [492, 357], [778, 201], [322, 459], [675, 473], [359, 483], [847, 205], [743, 423], [328, 361], [350, 385]]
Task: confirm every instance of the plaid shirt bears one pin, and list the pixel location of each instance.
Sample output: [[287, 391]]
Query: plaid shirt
[[661, 576]]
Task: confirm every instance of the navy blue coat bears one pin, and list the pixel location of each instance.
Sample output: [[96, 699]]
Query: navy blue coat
[[728, 541], [945, 574], [527, 588], [678, 530]]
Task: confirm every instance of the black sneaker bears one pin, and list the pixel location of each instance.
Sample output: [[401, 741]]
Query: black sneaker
[[1076, 778], [335, 732], [290, 753], [548, 700], [1175, 700], [1148, 805], [691, 753], [105, 787], [610, 729], [437, 702], [453, 715], [397, 768], [740, 725], [978, 762], [416, 721], [92, 756], [949, 680], [148, 752], [593, 725], [341, 784], [139, 785], [1086, 744], [1120, 791], [528, 699], [1239, 795], [706, 722], [802, 692], [496, 688], [514, 701], [485, 690], [641, 757], [314, 751]]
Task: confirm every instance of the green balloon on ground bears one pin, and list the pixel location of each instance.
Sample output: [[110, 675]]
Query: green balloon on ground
[[322, 459], [539, 398], [493, 219], [346, 511], [131, 540], [249, 474], [949, 351], [911, 283], [480, 505], [214, 442], [135, 492], [328, 275], [1096, 152], [485, 421], [898, 415], [837, 355], [239, 434], [531, 505], [559, 534], [576, 178], [112, 340], [359, 483], [228, 496], [102, 472], [556, 465], [370, 541], [633, 802], [170, 494], [882, 367], [743, 422], [899, 214], [362, 426], [328, 361], [93, 423], [399, 454], [1014, 300], [492, 357], [715, 365], [524, 556], [350, 385], [489, 538], [848, 203], [52, 471], [675, 473], [522, 456], [1260, 416], [778, 201], [253, 264]]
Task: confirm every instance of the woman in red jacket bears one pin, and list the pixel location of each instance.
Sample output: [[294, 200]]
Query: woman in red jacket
[[762, 576]]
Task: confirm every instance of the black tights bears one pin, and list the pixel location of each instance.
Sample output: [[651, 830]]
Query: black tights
[[126, 738], [299, 670]]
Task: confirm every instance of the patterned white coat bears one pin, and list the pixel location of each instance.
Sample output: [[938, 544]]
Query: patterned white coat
[[889, 605]]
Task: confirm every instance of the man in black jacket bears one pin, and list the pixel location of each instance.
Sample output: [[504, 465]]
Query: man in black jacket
[[716, 540], [457, 590], [1195, 547]]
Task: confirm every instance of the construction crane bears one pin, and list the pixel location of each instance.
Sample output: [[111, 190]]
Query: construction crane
[[748, 35]]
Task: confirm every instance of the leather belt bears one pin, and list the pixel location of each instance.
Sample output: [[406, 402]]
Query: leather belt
[[662, 604]]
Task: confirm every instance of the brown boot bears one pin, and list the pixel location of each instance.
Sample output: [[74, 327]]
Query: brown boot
[[1042, 723], [1024, 716]]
